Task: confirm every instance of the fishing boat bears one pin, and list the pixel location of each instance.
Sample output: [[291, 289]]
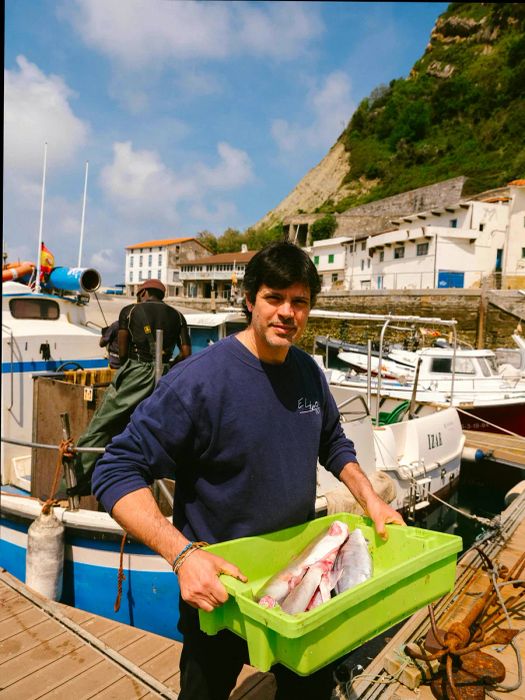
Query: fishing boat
[[469, 379], [42, 331]]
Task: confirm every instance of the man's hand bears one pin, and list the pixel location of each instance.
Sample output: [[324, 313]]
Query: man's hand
[[381, 513], [199, 580]]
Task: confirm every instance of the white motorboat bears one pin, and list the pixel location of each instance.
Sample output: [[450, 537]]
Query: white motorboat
[[468, 379]]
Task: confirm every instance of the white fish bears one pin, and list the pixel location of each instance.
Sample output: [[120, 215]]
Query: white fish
[[353, 563], [323, 548]]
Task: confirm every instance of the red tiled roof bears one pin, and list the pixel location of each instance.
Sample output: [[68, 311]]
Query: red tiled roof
[[161, 242]]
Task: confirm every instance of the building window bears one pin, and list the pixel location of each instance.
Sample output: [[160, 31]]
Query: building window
[[159, 272], [140, 260], [523, 252], [140, 276], [453, 223], [160, 259], [422, 249], [316, 260], [481, 227], [381, 256], [363, 245], [150, 260], [362, 264], [399, 252], [351, 248], [131, 276], [335, 277], [331, 258], [149, 274], [131, 260], [368, 262]]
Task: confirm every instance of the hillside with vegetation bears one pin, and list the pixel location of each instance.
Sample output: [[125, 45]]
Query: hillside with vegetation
[[461, 111]]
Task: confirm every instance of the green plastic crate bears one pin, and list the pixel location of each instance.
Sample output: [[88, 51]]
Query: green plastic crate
[[413, 568]]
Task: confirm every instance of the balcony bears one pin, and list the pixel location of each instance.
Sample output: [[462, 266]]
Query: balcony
[[205, 275]]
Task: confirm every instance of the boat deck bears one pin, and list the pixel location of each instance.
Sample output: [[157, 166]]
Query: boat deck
[[375, 682], [49, 650]]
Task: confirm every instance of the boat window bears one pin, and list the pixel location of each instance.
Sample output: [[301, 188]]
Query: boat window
[[444, 365], [484, 367], [44, 309]]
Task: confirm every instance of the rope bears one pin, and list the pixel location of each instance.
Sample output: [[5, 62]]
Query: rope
[[120, 576], [477, 518], [63, 448], [100, 307], [492, 425]]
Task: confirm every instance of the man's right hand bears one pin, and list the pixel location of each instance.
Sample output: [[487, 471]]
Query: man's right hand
[[199, 581]]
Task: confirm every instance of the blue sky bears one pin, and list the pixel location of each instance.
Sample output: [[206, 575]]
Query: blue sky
[[192, 115]]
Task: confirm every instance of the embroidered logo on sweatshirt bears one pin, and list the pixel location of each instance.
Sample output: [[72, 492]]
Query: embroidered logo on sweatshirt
[[305, 405]]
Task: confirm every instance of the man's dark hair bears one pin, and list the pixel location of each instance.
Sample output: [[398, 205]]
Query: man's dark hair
[[279, 265]]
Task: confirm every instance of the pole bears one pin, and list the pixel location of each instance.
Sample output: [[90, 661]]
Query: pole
[[83, 216], [39, 254], [435, 259]]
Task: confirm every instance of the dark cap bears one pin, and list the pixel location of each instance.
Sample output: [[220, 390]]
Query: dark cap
[[152, 284]]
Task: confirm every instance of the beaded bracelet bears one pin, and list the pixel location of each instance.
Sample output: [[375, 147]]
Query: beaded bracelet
[[185, 553]]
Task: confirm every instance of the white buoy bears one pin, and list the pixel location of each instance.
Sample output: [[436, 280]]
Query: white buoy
[[45, 556]]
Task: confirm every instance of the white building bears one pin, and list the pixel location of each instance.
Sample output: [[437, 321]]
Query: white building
[[161, 259], [460, 246], [343, 263]]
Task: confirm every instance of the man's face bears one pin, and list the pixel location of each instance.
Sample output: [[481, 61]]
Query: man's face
[[279, 318]]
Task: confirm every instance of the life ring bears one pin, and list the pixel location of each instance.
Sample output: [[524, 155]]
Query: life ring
[[14, 271]]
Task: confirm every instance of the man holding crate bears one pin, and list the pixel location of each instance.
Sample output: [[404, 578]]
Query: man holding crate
[[240, 427]]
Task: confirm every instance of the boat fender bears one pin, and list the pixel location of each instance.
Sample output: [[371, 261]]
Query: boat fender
[[514, 492], [45, 555], [473, 454]]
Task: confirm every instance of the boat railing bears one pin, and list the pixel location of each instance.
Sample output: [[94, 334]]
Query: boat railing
[[386, 320], [73, 500]]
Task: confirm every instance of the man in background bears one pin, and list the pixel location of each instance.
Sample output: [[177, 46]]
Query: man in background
[[137, 329]]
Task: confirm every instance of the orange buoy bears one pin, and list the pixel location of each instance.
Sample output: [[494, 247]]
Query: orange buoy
[[14, 271]]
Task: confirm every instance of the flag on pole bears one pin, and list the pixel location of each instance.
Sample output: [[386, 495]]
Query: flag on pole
[[47, 260]]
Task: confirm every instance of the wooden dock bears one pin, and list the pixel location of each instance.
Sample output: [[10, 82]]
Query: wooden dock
[[375, 682], [504, 449], [53, 651]]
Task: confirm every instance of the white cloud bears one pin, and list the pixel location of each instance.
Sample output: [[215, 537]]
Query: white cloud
[[140, 185], [219, 215], [140, 32], [105, 260], [330, 107], [36, 110], [233, 170]]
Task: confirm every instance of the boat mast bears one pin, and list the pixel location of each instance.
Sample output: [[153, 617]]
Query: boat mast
[[39, 254], [83, 216]]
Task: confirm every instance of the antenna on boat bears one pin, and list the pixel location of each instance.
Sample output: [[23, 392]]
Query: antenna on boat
[[39, 254], [83, 216]]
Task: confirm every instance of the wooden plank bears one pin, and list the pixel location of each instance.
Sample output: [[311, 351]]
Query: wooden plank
[[126, 688], [120, 636], [145, 648], [165, 666], [36, 658], [42, 633], [18, 623], [12, 607], [52, 676], [89, 684]]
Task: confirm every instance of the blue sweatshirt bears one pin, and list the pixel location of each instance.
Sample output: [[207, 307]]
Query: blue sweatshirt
[[240, 437]]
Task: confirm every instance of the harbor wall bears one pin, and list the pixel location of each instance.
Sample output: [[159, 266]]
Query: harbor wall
[[485, 318]]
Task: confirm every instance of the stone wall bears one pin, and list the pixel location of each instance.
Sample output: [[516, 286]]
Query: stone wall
[[469, 307], [375, 217]]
